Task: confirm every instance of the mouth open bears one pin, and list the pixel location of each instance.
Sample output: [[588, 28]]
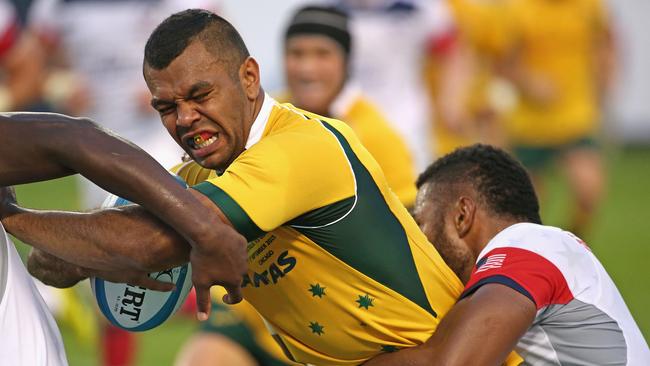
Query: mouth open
[[202, 140]]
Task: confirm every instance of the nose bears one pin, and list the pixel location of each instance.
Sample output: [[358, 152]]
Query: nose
[[186, 114]]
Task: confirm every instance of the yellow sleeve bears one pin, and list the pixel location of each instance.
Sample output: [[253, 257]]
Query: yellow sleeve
[[387, 147], [281, 178]]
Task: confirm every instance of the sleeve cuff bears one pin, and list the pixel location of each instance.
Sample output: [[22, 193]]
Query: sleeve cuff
[[500, 279]]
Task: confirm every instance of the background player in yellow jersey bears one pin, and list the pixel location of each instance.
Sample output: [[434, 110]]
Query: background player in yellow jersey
[[336, 265], [482, 41], [316, 63], [561, 65]]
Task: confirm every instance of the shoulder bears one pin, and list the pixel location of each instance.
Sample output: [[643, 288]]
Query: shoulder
[[192, 173], [527, 236], [544, 252], [299, 137]]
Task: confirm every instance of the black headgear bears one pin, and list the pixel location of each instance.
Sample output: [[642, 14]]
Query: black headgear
[[326, 21]]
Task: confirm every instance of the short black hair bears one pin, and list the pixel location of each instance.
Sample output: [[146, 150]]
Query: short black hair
[[174, 34], [501, 182]]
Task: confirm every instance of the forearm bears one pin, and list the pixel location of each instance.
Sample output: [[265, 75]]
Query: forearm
[[480, 330], [60, 145], [109, 240], [53, 271]]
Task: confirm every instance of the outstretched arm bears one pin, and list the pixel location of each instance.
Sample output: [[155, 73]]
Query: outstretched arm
[[38, 146], [116, 239], [121, 245], [481, 329], [56, 272]]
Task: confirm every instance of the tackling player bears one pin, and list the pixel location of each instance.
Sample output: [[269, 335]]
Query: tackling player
[[535, 288]]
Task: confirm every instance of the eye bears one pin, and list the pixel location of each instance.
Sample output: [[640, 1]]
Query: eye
[[165, 110], [201, 97]]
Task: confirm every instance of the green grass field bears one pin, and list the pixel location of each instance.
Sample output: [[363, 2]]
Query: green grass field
[[618, 237]]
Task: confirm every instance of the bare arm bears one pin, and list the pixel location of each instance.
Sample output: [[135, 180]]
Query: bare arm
[[56, 272], [481, 329], [122, 245], [40, 146], [59, 145], [125, 238]]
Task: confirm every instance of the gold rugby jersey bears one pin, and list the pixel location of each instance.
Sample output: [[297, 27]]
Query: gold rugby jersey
[[378, 136], [559, 40], [337, 267]]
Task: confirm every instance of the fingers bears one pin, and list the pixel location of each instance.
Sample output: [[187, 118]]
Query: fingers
[[233, 296], [151, 284], [203, 303]]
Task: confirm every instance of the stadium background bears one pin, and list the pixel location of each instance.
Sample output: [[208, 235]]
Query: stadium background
[[618, 236]]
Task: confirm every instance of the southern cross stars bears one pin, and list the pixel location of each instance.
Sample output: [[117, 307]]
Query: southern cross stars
[[317, 290], [316, 328], [365, 301]]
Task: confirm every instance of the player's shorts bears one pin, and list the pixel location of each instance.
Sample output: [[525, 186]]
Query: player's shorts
[[539, 157], [226, 322]]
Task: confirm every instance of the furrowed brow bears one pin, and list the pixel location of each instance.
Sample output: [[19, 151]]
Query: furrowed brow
[[197, 87], [156, 103]]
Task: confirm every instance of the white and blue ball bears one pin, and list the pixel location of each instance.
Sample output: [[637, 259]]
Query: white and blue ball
[[135, 308]]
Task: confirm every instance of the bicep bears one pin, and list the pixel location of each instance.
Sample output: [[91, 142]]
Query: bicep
[[211, 205], [483, 328]]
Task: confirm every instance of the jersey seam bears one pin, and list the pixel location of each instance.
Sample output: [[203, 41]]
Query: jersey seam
[[354, 178]]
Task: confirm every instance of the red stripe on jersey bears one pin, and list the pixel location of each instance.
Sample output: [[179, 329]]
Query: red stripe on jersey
[[8, 38], [534, 273]]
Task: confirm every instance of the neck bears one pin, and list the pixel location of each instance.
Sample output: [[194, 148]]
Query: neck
[[491, 227], [257, 107], [480, 237]]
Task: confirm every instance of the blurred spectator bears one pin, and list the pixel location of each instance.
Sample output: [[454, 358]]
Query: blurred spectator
[[98, 46], [21, 62], [486, 96], [561, 62], [317, 50], [391, 40]]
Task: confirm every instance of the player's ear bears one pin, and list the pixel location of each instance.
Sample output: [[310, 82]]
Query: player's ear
[[249, 76], [465, 213]]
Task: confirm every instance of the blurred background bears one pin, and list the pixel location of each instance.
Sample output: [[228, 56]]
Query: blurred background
[[562, 84]]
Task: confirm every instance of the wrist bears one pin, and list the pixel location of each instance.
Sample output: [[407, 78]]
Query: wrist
[[7, 214]]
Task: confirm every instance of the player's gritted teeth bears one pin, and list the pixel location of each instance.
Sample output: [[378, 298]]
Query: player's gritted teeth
[[201, 140]]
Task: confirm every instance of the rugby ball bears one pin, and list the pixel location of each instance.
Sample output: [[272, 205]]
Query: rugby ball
[[135, 308]]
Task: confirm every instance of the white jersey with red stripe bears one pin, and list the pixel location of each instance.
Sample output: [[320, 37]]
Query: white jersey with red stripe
[[28, 334], [581, 316]]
